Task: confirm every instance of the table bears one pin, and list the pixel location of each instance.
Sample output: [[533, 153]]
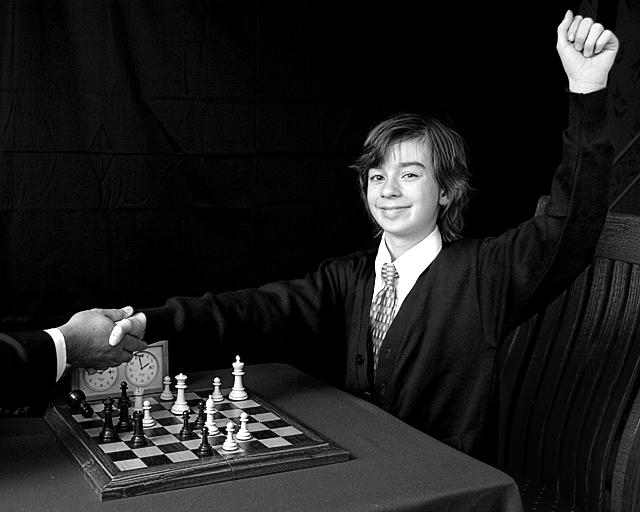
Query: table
[[393, 466]]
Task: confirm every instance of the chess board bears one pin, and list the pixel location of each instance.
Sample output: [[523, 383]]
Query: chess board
[[118, 470]]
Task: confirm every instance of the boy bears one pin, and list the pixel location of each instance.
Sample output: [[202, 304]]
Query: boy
[[429, 354]]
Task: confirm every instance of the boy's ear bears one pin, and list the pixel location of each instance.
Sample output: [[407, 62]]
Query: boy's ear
[[443, 199]]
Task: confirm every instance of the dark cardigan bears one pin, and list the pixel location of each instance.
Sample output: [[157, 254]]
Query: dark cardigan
[[437, 367]]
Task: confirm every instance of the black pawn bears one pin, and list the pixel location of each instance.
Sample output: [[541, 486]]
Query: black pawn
[[124, 424], [138, 439], [205, 449], [200, 420], [77, 400], [186, 432], [108, 434]]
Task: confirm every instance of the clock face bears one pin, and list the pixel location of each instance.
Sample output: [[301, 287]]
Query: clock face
[[143, 369], [146, 370], [100, 380]]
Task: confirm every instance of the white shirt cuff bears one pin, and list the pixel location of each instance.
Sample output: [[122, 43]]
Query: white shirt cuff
[[61, 351]]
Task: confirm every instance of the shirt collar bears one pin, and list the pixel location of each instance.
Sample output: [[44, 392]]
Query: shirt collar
[[413, 262]]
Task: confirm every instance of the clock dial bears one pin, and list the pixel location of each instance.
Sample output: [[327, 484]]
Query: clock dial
[[100, 380], [143, 369]]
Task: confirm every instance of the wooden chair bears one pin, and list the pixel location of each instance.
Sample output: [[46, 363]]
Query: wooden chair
[[570, 407]]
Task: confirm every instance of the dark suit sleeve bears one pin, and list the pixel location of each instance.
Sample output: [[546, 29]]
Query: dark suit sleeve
[[28, 366]]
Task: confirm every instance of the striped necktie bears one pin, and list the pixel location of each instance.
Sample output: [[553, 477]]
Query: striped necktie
[[383, 309]]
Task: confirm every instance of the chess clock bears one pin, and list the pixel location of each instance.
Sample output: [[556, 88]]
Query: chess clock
[[146, 370]]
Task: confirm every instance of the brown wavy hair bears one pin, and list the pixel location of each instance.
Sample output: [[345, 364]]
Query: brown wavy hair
[[448, 151]]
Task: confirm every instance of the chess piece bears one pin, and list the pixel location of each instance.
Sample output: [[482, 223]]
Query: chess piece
[[217, 395], [138, 440], [200, 419], [243, 434], [210, 423], [166, 392], [180, 404], [238, 392], [108, 433], [230, 443], [138, 394], [147, 420], [123, 396], [124, 423], [185, 433], [205, 449], [77, 401]]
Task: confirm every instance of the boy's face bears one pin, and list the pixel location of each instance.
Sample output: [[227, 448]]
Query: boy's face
[[403, 195]]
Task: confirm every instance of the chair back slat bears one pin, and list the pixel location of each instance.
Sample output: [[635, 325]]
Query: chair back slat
[[569, 379]]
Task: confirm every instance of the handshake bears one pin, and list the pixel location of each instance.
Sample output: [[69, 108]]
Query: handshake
[[103, 338]]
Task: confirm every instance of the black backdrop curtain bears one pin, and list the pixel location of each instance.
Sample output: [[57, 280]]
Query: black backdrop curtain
[[159, 148]]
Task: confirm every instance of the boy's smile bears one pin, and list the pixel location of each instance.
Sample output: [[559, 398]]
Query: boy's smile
[[403, 195]]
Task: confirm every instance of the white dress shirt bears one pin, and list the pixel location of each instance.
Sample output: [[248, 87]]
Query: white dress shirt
[[409, 266], [61, 351]]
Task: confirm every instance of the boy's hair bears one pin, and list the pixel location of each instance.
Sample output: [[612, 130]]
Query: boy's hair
[[448, 151]]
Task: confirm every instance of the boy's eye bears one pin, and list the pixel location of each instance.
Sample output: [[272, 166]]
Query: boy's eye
[[375, 177]]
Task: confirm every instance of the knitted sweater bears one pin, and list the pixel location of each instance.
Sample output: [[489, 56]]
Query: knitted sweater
[[437, 365]]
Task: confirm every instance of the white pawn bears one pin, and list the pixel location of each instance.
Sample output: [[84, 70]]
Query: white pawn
[[147, 421], [230, 443], [138, 394], [238, 392], [180, 404], [166, 393], [210, 423], [243, 434], [217, 395]]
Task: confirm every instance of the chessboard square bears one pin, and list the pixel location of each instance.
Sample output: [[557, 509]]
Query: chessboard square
[[251, 446], [275, 442], [224, 406], [299, 439], [156, 460], [267, 416], [164, 439], [172, 447], [264, 434], [254, 411], [182, 456], [147, 451], [167, 419], [256, 427], [276, 424], [122, 455], [232, 413], [245, 404], [174, 429], [190, 395], [126, 465], [93, 432], [192, 444], [113, 447], [287, 431], [88, 423], [216, 440], [155, 431]]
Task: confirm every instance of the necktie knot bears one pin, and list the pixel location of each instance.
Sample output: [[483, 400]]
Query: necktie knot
[[389, 274]]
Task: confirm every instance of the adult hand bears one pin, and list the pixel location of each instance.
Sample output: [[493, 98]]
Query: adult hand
[[587, 52], [86, 337], [134, 326]]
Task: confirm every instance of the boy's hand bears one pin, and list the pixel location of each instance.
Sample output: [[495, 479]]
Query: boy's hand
[[587, 52]]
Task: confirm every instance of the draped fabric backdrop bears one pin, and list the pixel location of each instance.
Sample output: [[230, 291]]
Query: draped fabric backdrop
[[159, 148]]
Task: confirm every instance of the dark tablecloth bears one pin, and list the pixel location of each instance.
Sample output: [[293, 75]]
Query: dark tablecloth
[[393, 466]]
